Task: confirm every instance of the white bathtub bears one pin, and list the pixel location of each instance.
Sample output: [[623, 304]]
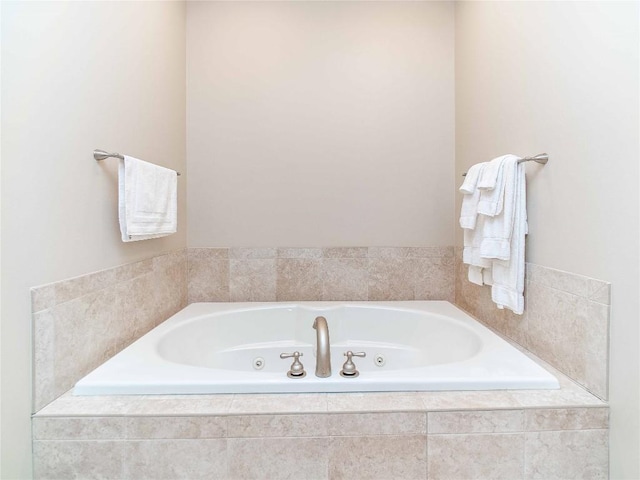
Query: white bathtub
[[215, 348]]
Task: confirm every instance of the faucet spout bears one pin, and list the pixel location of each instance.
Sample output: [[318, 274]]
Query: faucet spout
[[323, 348]]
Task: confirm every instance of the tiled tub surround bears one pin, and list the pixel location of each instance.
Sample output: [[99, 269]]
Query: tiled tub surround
[[356, 273], [551, 434], [81, 322], [565, 321], [436, 435]]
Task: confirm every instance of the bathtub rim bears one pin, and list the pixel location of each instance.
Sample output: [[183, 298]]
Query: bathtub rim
[[334, 384]]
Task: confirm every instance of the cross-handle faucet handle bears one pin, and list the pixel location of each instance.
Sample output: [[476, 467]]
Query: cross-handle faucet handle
[[297, 369], [349, 368]]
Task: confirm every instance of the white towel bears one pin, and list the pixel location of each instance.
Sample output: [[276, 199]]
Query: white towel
[[490, 174], [497, 230], [480, 275], [492, 185], [471, 253], [147, 203], [469, 210], [471, 178], [494, 246], [508, 276]]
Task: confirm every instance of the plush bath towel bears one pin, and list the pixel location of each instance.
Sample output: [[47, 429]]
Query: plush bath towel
[[508, 275], [497, 230], [471, 253], [492, 199], [147, 203], [469, 210], [494, 244]]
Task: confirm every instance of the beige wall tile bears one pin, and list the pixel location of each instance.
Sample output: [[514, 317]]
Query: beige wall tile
[[299, 279], [391, 278], [482, 457], [133, 270], [281, 403], [88, 459], [113, 308], [434, 279], [69, 405], [277, 425], [565, 281], [487, 421], [430, 252], [596, 348], [170, 284], [177, 405], [575, 396], [252, 280], [278, 458], [393, 423], [208, 275], [561, 324], [175, 459], [86, 334], [44, 389], [176, 427], [374, 402], [345, 279], [566, 419], [297, 252], [345, 252], [478, 400], [78, 428], [69, 289], [138, 312], [43, 297], [389, 252], [199, 254], [602, 295], [378, 457], [580, 455], [246, 253], [570, 333]]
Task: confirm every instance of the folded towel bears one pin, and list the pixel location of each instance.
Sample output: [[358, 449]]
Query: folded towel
[[147, 203], [494, 235], [480, 275], [497, 230], [472, 242], [469, 210], [471, 178], [489, 176], [491, 199], [508, 276]]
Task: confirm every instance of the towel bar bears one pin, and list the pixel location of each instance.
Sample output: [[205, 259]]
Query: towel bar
[[541, 158], [101, 155]]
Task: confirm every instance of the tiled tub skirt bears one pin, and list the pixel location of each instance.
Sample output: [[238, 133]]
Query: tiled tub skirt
[[546, 434]]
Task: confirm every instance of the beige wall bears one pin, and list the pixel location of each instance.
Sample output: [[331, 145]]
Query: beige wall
[[562, 78], [76, 76], [320, 123]]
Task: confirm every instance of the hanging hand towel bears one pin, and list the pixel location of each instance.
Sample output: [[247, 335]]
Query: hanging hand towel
[[497, 230], [147, 203], [489, 177], [479, 268], [508, 276], [491, 199], [469, 211]]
